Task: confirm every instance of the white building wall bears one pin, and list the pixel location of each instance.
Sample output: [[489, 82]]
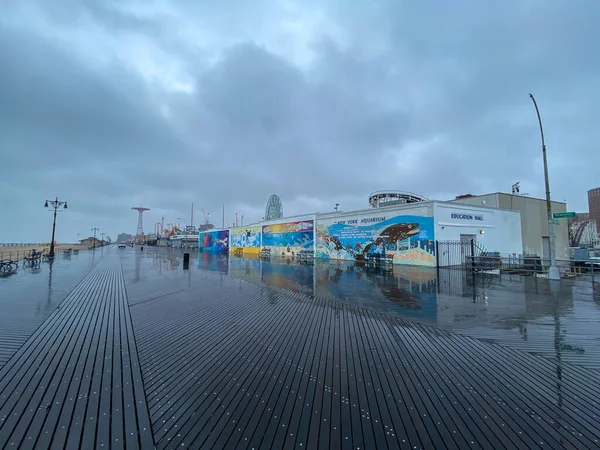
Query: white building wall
[[497, 230], [534, 221]]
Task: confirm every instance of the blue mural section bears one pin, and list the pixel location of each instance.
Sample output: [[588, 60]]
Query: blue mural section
[[289, 238], [407, 239], [215, 241]]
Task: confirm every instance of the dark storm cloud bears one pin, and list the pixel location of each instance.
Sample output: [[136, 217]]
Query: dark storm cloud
[[481, 60], [287, 126], [70, 130], [393, 96]]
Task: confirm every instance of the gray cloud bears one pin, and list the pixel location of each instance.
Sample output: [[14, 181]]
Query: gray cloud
[[112, 105]]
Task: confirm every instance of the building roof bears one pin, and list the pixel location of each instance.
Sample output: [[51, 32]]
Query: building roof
[[510, 195]]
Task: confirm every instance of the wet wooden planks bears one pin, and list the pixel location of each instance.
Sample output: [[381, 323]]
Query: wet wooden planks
[[29, 297], [76, 383], [234, 365]]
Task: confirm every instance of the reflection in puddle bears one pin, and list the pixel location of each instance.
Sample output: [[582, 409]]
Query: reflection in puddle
[[512, 310], [409, 292]]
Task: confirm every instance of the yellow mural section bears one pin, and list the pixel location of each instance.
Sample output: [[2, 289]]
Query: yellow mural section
[[245, 241]]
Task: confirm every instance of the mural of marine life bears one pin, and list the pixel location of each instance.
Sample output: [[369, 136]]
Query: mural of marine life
[[391, 235], [404, 239]]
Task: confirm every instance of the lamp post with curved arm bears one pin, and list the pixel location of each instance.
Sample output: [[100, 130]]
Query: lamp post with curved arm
[[186, 225], [553, 272]]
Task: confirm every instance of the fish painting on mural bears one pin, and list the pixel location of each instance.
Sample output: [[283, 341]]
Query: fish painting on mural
[[390, 235]]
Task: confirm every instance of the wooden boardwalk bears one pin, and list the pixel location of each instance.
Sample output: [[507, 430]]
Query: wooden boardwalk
[[76, 382], [27, 299], [134, 358], [228, 364]]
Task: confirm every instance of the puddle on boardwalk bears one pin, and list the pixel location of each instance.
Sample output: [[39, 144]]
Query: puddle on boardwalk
[[557, 319]]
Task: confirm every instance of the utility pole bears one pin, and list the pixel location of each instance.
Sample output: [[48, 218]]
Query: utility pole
[[94, 242], [553, 272], [55, 204]]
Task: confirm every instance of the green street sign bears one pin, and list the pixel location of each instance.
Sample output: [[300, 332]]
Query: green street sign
[[565, 215], [555, 222]]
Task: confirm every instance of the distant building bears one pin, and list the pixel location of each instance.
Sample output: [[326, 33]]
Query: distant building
[[594, 204], [534, 221], [89, 242], [124, 237]]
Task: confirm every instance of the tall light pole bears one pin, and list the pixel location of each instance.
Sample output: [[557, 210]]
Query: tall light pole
[[55, 204], [102, 236], [184, 221], [94, 242], [553, 272]]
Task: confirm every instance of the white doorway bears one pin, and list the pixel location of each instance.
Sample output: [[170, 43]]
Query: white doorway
[[465, 245]]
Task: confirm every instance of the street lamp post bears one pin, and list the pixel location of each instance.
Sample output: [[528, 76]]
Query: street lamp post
[[102, 236], [55, 204], [94, 242], [184, 221], [553, 272]]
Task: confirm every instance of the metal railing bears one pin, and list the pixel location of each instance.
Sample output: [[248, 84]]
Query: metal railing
[[532, 265], [20, 255]]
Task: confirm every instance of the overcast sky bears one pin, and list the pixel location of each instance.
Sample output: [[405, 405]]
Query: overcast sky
[[114, 104]]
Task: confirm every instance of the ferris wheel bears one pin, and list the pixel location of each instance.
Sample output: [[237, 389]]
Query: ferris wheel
[[274, 209]]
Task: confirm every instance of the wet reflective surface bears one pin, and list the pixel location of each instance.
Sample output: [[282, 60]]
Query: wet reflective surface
[[32, 293], [556, 319], [244, 353]]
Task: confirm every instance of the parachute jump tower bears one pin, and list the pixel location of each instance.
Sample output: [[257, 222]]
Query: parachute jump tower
[[139, 234]]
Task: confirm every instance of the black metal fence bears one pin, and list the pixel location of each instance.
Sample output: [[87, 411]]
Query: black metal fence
[[456, 253]]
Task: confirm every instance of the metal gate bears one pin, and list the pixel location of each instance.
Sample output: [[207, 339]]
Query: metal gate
[[456, 253]]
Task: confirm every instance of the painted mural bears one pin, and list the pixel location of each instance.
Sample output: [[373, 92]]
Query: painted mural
[[214, 241], [289, 238], [407, 239], [246, 238]]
